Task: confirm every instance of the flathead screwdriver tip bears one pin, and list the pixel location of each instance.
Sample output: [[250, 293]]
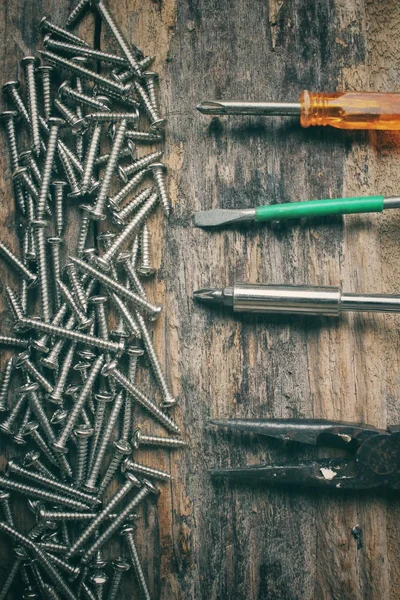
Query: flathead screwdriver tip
[[210, 107], [218, 216]]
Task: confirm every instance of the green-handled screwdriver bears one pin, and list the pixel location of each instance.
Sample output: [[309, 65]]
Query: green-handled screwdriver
[[295, 210]]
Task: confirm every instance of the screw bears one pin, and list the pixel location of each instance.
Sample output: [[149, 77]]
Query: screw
[[69, 65], [140, 439], [117, 287], [130, 186], [98, 579], [126, 314], [77, 125], [119, 216], [103, 442], [101, 316], [39, 229], [55, 243], [77, 13], [83, 230], [5, 505], [36, 492], [23, 362], [134, 353], [77, 285], [18, 437], [46, 71], [92, 151], [131, 481], [145, 470], [125, 259], [47, 27], [54, 125], [8, 118], [51, 571], [9, 340], [29, 63], [59, 205], [97, 212], [159, 415], [135, 222], [11, 89], [117, 34], [82, 434], [62, 47], [20, 557], [124, 76], [127, 419], [31, 429], [63, 332], [101, 400], [144, 136], [69, 173], [150, 79], [32, 459], [5, 385], [156, 122], [80, 98], [18, 264], [50, 482], [108, 532], [7, 426], [127, 533], [145, 268], [84, 321], [120, 566], [57, 395], [51, 360], [59, 445], [73, 572], [139, 164], [15, 305], [51, 515], [158, 170], [168, 399], [121, 449], [112, 117], [129, 151]]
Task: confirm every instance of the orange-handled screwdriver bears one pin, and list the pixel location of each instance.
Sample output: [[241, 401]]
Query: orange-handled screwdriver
[[344, 110]]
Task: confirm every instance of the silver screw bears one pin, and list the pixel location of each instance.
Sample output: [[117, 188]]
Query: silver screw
[[127, 533], [127, 418], [46, 71], [69, 173], [8, 118], [7, 426], [102, 399], [77, 285], [131, 481], [29, 63], [158, 170], [31, 430], [17, 264], [120, 216], [128, 230], [92, 152], [62, 47], [119, 38], [103, 442], [80, 98], [121, 449], [144, 136], [145, 470], [120, 566], [168, 399], [118, 288], [145, 267], [76, 336], [54, 125], [112, 117], [128, 151], [5, 505], [47, 26], [110, 369], [32, 459], [35, 492], [59, 416], [41, 343], [51, 571], [85, 222], [126, 314], [77, 125], [77, 13], [97, 212], [108, 532], [84, 321], [43, 273], [59, 445], [99, 303], [140, 439], [51, 360], [23, 362], [139, 164], [11, 89], [82, 434], [110, 85], [59, 186], [5, 385], [57, 395], [125, 259], [9, 340], [98, 579], [55, 243], [150, 78], [130, 186], [156, 122]]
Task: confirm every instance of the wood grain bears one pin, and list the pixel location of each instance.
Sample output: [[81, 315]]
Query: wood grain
[[220, 541]]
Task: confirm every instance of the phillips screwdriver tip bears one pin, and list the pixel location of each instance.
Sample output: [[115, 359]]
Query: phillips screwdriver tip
[[210, 107], [209, 295]]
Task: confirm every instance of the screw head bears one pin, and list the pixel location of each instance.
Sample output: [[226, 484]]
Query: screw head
[[52, 121], [45, 68], [30, 60], [152, 488], [39, 223], [48, 362], [59, 416], [30, 427], [54, 241], [158, 167], [4, 495], [28, 388], [99, 578], [137, 438], [30, 458], [121, 565], [99, 261], [11, 84], [72, 390], [83, 432], [168, 401], [145, 271], [127, 529], [157, 124], [123, 447], [109, 368], [8, 114], [134, 351], [98, 299], [104, 397], [55, 397], [58, 448]]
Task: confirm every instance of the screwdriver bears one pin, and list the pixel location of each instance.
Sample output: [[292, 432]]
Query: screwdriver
[[344, 110], [295, 210], [296, 299]]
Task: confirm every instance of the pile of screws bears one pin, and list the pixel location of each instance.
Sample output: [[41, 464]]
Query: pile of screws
[[79, 378]]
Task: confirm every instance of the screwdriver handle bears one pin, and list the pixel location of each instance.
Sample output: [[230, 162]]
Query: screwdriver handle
[[351, 110], [320, 208]]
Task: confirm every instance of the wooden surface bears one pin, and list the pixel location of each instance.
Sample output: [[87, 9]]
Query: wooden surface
[[251, 542]]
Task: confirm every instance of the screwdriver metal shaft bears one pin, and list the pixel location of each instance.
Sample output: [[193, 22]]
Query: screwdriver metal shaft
[[296, 299]]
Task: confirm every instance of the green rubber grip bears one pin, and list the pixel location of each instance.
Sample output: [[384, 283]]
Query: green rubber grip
[[320, 208]]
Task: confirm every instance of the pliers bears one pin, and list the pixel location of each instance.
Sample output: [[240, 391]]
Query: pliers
[[374, 459]]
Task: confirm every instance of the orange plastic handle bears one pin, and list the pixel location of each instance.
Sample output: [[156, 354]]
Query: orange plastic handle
[[351, 110]]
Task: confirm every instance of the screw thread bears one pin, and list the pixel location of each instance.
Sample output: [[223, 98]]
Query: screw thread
[[28, 366], [104, 439], [80, 98], [120, 216], [7, 426], [59, 206], [151, 91], [158, 414], [69, 172], [35, 492], [46, 88], [43, 470], [156, 440], [12, 142], [104, 158], [114, 586], [70, 300], [81, 461], [17, 263], [159, 178], [77, 286], [9, 517], [98, 428], [143, 136], [51, 360], [56, 261], [19, 436], [49, 27], [77, 13], [140, 163], [134, 279], [145, 470], [47, 170], [108, 532], [83, 232], [111, 470], [146, 102], [58, 391], [137, 566], [69, 115], [127, 423], [9, 340], [5, 384], [33, 106], [10, 577], [19, 103], [145, 248], [44, 286], [129, 187], [42, 446], [92, 152]]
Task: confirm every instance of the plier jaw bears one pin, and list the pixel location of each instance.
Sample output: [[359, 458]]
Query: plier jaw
[[374, 459]]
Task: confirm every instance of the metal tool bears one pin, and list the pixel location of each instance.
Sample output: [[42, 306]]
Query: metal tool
[[343, 110], [295, 210], [374, 459], [296, 299]]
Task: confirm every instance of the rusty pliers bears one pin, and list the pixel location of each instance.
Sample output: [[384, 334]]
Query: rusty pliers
[[374, 459]]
